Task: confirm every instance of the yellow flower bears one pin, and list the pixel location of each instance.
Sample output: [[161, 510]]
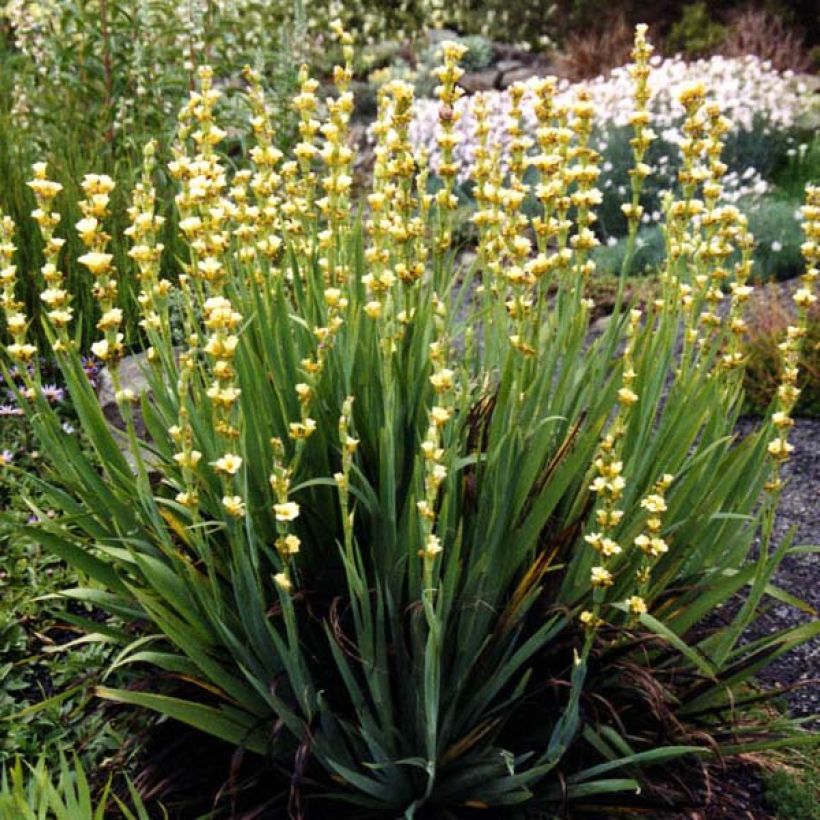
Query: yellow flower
[[288, 544], [187, 499], [627, 397], [188, 459], [589, 619], [804, 298], [97, 263], [373, 309], [442, 380], [87, 229], [228, 464], [106, 351], [636, 604], [654, 503], [594, 539], [601, 577], [283, 582], [439, 416], [782, 420], [110, 320], [779, 449], [432, 547], [286, 511], [234, 505], [301, 430]]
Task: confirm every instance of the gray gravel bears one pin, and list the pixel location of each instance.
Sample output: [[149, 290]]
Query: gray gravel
[[798, 574]]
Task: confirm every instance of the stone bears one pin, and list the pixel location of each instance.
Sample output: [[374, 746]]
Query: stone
[[132, 377], [508, 65], [521, 75], [132, 372], [475, 81]]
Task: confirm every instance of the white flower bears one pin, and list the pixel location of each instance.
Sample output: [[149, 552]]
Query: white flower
[[777, 246]]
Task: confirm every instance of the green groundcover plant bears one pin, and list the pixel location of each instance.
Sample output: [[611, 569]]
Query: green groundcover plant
[[403, 527]]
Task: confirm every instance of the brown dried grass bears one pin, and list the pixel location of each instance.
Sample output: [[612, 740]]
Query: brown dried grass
[[755, 31], [589, 53]]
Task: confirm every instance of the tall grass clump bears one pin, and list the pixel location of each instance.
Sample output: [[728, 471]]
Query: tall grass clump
[[401, 528]]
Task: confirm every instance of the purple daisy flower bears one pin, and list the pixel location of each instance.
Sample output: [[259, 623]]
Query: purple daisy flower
[[52, 393], [6, 457], [10, 410]]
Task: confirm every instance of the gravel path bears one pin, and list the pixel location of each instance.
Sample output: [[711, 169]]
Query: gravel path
[[798, 574]]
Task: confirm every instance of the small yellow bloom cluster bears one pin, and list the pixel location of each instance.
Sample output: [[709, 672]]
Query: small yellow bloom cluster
[[19, 350], [203, 209], [512, 257], [95, 209], [484, 173], [222, 321], [553, 137], [703, 236], [146, 251], [261, 222], [183, 437], [55, 296], [338, 159], [583, 173], [433, 452], [640, 118], [448, 94], [335, 304], [733, 358], [650, 542], [301, 180], [790, 348], [609, 483], [285, 513], [396, 225], [349, 446]]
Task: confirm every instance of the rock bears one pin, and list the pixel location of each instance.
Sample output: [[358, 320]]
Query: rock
[[521, 75], [475, 81], [440, 35], [508, 65], [132, 377]]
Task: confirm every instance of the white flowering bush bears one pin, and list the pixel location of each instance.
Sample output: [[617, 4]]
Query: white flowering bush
[[404, 530]]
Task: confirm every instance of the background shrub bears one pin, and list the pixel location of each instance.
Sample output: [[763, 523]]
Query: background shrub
[[770, 315]]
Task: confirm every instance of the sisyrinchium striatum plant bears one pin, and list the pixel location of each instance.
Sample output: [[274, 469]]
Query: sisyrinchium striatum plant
[[399, 523]]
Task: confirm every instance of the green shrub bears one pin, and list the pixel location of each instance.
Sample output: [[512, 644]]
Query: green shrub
[[645, 258], [403, 529], [696, 33], [479, 52], [774, 222]]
